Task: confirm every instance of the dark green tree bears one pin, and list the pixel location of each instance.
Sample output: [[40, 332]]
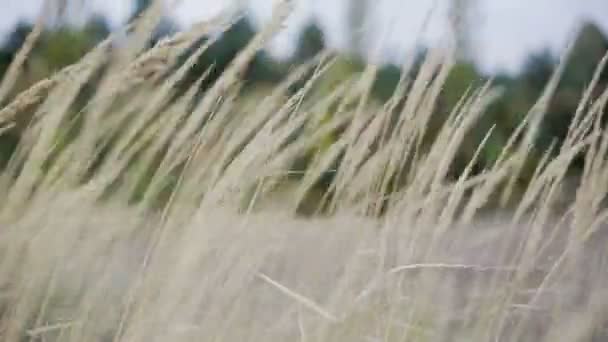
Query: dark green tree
[[590, 46], [17, 36], [140, 6], [537, 70], [222, 52], [310, 43], [97, 27]]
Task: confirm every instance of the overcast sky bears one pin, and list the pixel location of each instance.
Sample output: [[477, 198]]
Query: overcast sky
[[507, 30]]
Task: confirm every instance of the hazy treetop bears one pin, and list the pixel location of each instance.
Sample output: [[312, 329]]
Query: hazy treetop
[[504, 32]]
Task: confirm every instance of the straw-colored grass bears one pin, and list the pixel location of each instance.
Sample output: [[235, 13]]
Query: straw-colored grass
[[213, 248]]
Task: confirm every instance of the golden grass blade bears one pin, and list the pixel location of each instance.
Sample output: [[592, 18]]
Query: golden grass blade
[[306, 302]]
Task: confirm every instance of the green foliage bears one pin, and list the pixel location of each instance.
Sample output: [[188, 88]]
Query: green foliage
[[63, 47], [462, 77], [222, 52], [341, 70], [311, 42], [97, 28], [386, 82], [338, 73], [66, 45], [5, 61], [589, 48], [538, 69], [55, 49], [17, 37]]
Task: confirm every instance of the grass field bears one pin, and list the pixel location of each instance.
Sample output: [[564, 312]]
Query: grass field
[[163, 221]]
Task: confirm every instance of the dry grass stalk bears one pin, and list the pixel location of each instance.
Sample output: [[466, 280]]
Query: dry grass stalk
[[79, 263]]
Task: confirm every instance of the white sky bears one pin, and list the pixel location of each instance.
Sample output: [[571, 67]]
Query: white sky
[[508, 29]]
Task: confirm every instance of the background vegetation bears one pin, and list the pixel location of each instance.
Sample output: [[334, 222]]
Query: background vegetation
[[63, 45]]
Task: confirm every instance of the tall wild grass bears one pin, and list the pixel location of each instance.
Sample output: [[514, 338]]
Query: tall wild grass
[[164, 217]]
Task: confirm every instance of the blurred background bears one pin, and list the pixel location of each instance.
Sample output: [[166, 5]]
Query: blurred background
[[500, 34], [517, 43]]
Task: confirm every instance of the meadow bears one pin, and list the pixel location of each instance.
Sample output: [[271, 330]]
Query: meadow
[[151, 215]]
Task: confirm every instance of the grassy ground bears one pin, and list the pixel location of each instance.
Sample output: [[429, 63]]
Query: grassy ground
[[213, 248]]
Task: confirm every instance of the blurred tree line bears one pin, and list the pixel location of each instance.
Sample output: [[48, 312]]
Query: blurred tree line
[[64, 45]]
